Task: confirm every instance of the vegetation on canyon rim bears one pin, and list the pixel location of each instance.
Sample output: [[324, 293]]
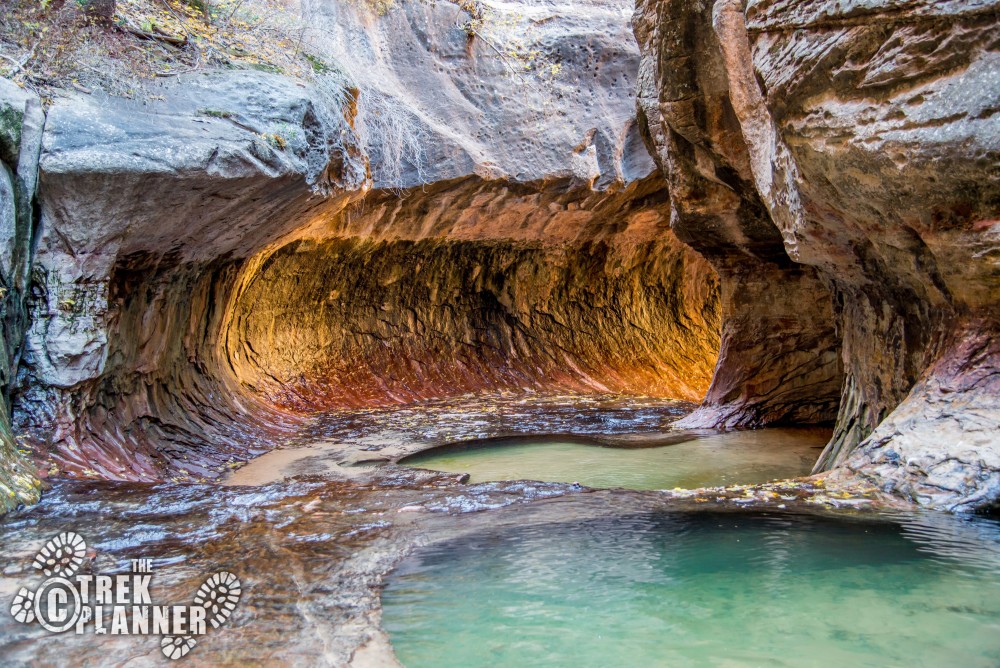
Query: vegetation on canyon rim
[[120, 45], [229, 228], [126, 47], [49, 45]]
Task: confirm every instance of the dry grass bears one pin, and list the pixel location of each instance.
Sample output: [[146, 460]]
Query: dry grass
[[50, 45], [392, 135]]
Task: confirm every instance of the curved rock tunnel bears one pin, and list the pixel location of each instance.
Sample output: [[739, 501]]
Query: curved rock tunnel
[[200, 288], [209, 361], [615, 306]]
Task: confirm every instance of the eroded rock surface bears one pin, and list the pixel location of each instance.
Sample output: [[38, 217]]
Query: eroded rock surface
[[863, 136], [523, 91], [149, 216], [21, 122], [472, 287], [435, 215], [778, 361], [212, 267]]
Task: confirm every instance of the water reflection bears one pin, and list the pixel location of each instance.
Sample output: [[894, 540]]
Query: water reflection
[[705, 589], [742, 457]]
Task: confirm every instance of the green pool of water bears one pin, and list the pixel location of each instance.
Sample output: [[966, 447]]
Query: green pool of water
[[743, 457], [704, 590]]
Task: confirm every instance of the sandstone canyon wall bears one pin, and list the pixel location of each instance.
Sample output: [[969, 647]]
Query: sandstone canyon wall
[[218, 263], [806, 201], [148, 218], [838, 163]]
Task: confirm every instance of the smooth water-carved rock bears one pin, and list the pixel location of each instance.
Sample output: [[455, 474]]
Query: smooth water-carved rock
[[528, 92], [148, 218], [213, 268], [778, 361], [437, 299], [939, 446], [872, 143]]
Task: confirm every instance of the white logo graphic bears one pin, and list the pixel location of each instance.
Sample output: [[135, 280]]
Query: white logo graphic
[[119, 604]]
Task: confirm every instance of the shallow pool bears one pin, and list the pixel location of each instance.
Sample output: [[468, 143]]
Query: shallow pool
[[739, 457], [704, 589]]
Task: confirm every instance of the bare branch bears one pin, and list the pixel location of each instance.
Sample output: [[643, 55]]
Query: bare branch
[[158, 36], [19, 65], [500, 53]]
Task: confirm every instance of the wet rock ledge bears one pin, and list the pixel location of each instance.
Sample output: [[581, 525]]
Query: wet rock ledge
[[312, 557]]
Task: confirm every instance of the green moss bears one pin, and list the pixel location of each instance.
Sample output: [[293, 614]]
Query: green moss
[[10, 133], [18, 483], [275, 140], [264, 67], [216, 113], [319, 67]]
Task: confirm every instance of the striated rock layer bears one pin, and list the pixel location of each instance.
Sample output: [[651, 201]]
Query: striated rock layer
[[476, 285], [148, 218], [213, 268], [844, 156]]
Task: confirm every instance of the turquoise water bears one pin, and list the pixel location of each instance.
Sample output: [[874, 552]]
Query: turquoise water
[[739, 457], [704, 589]]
